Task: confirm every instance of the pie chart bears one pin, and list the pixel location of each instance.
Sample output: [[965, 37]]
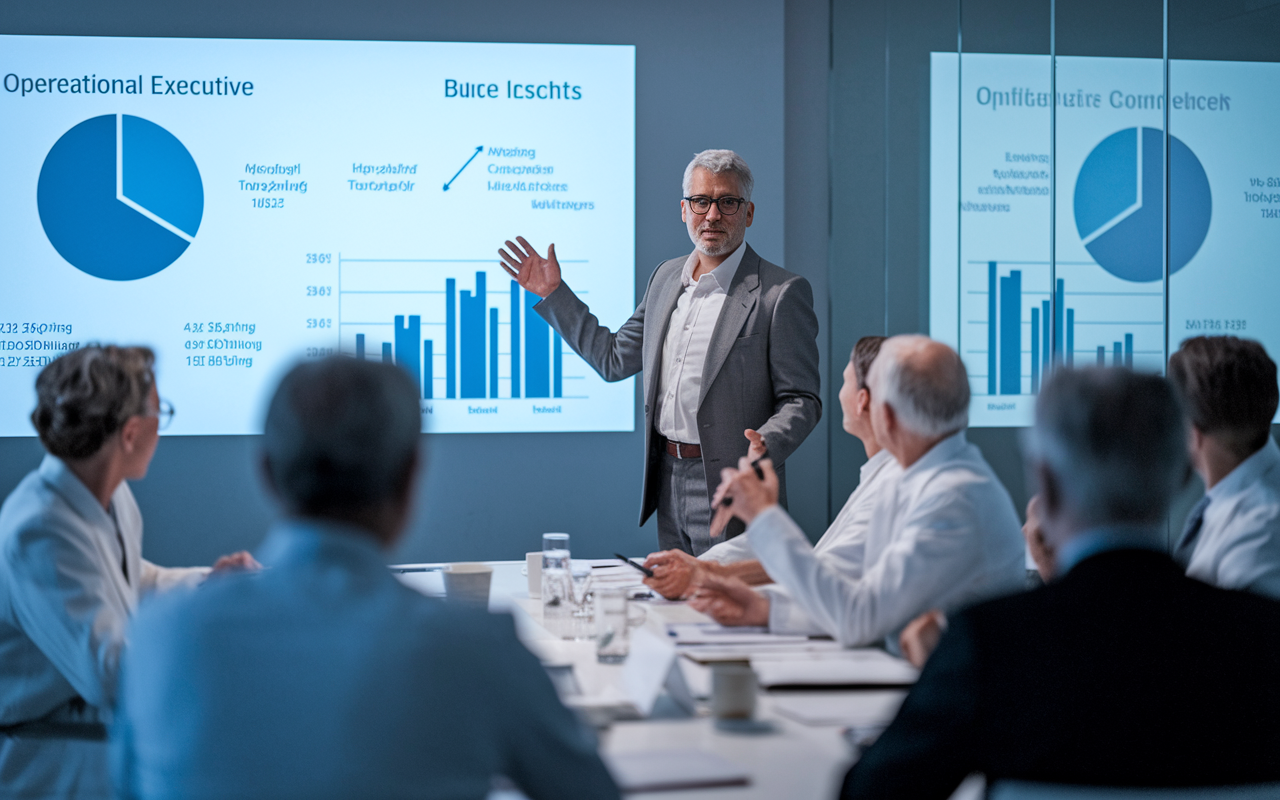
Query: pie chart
[[1119, 204], [119, 197]]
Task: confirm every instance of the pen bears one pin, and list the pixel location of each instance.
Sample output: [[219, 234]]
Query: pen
[[640, 567], [755, 465]]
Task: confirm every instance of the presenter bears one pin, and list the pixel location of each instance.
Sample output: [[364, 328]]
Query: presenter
[[727, 343]]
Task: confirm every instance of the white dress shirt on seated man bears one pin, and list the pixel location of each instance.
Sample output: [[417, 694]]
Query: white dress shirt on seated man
[[684, 351], [331, 679], [845, 540], [67, 592], [942, 536], [1238, 546]]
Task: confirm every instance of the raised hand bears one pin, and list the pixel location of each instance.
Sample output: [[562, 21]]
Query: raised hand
[[756, 450], [535, 273]]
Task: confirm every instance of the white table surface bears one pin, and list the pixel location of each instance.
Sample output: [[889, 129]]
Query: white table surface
[[796, 762]]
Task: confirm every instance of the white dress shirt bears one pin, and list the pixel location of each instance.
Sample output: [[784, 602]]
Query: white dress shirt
[[684, 351], [324, 677], [845, 540], [944, 535], [64, 606], [1239, 543]]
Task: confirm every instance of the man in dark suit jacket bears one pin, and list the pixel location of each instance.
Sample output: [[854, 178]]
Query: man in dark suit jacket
[[727, 343], [1119, 672]]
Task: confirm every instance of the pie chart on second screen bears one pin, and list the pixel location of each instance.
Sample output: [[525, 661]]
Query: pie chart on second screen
[[1119, 209], [120, 198]]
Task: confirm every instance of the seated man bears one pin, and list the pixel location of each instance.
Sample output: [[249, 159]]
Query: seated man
[[676, 572], [1232, 538], [946, 536], [323, 676], [1101, 676]]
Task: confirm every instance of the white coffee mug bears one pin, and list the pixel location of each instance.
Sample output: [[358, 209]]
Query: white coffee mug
[[533, 565], [468, 583]]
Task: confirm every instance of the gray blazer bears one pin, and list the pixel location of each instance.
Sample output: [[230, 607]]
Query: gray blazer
[[761, 370]]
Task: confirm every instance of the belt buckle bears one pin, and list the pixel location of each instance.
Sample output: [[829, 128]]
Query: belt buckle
[[680, 450]]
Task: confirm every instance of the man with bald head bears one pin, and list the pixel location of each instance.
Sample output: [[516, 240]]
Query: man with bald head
[[946, 537]]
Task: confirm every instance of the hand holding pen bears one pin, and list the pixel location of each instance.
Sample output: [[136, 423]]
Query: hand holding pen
[[744, 492]]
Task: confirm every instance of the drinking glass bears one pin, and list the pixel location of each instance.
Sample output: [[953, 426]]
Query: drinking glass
[[613, 641], [557, 589]]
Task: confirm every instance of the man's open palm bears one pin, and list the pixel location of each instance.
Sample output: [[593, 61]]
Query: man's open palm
[[535, 273]]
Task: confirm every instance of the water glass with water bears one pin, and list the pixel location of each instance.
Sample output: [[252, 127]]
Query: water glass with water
[[613, 641], [557, 586]]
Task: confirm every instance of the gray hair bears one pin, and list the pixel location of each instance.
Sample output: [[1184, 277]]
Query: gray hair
[[716, 162], [85, 396], [341, 435], [924, 382], [1115, 439]]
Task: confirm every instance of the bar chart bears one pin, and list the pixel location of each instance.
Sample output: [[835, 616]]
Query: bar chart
[[469, 337], [1018, 328]]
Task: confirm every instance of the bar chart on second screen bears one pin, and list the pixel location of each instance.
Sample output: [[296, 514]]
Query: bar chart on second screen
[[469, 337], [1018, 328]]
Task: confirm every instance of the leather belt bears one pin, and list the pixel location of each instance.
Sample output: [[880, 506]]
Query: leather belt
[[681, 450]]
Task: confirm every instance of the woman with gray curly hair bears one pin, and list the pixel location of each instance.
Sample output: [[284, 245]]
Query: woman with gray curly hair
[[71, 569]]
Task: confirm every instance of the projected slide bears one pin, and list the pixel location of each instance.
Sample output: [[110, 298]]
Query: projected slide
[[992, 294], [239, 205]]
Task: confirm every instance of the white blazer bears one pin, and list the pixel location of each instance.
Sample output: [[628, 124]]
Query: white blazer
[[65, 602]]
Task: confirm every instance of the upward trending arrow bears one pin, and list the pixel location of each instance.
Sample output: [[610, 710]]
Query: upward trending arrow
[[464, 166]]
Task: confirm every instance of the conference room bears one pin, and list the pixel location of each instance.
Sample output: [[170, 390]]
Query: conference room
[[777, 399]]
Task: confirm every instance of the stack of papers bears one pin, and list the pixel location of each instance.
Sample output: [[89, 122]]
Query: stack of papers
[[668, 770], [872, 710], [711, 633], [864, 667]]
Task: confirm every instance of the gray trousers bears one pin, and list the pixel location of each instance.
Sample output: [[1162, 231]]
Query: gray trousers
[[684, 509]]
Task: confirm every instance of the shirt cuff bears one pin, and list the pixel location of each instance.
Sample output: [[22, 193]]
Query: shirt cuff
[[785, 614], [729, 552]]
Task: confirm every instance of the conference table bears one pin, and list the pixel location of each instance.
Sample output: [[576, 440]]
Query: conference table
[[804, 755]]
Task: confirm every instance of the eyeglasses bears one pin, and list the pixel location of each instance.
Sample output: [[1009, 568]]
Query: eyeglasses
[[164, 414], [728, 204]]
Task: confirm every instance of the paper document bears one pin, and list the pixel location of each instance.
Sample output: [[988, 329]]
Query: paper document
[[668, 770], [844, 668], [701, 633], [864, 710]]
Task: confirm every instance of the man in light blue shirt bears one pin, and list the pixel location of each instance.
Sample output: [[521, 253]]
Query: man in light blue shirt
[[323, 676], [1232, 536]]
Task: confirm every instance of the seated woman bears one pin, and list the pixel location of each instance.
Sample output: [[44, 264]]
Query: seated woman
[[71, 569]]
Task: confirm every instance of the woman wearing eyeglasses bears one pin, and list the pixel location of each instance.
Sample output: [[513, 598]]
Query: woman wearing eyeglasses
[[71, 568]]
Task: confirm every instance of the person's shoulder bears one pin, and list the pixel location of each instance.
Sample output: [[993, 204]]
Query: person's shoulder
[[772, 274], [34, 515]]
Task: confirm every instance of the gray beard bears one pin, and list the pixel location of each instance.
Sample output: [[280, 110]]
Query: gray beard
[[725, 249]]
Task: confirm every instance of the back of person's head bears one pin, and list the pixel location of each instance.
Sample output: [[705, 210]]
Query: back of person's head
[[341, 437], [85, 396], [924, 382], [1228, 386], [863, 356], [1114, 440]]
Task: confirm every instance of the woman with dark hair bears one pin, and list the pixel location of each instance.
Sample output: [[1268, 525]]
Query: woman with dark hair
[[71, 569]]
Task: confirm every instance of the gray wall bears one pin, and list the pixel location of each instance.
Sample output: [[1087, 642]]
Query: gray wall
[[752, 79]]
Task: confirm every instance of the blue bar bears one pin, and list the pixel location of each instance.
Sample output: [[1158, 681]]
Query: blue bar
[[1057, 323], [1011, 333], [407, 338], [386, 353], [450, 338], [991, 326], [1128, 350], [1035, 350], [1117, 355], [428, 380], [493, 352], [471, 352], [1046, 321], [537, 335], [1102, 356], [360, 346], [515, 339], [557, 376], [1071, 337]]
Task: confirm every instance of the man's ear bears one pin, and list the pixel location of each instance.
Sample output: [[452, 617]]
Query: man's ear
[[864, 402]]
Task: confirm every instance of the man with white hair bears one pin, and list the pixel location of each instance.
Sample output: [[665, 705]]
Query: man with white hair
[[727, 343], [946, 536]]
